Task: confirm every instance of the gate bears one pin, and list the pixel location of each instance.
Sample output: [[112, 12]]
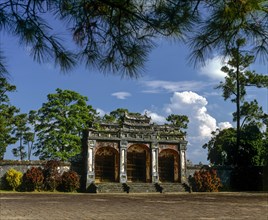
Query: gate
[[106, 163]]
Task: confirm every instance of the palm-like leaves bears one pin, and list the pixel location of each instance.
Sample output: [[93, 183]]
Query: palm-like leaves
[[116, 36], [226, 22], [112, 36], [24, 19]]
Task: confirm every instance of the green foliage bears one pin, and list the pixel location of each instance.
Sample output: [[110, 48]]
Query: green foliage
[[52, 176], [29, 136], [180, 121], [251, 112], [14, 178], [224, 22], [249, 178], [248, 115], [206, 180], [222, 147], [7, 116], [19, 152], [236, 81], [62, 120], [21, 129], [116, 116], [24, 20], [70, 181], [3, 70], [33, 179], [119, 114], [13, 126], [108, 118], [24, 134], [117, 36], [110, 35], [238, 76], [253, 151]]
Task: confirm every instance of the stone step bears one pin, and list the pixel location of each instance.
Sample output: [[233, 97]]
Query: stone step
[[172, 187], [110, 188], [141, 187], [136, 187]]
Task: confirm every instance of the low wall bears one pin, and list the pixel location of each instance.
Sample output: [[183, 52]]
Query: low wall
[[223, 172], [251, 178], [23, 166]]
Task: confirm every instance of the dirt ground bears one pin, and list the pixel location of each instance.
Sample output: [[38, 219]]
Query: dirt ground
[[134, 206]]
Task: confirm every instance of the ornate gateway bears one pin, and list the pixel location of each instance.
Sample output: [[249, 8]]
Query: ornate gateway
[[135, 150]]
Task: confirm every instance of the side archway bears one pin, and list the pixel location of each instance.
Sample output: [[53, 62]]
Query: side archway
[[168, 165], [106, 165]]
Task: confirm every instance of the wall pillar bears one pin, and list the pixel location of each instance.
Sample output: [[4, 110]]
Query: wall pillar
[[123, 161], [154, 153], [183, 162], [90, 162]]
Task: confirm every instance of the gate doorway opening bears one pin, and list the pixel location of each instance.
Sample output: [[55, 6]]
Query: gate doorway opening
[[168, 166], [137, 157], [106, 165]]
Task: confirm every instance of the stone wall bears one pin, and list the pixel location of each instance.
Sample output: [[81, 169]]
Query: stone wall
[[23, 166], [223, 172]]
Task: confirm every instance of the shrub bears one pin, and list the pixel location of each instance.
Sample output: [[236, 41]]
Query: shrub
[[14, 178], [246, 178], [70, 181], [33, 179], [205, 180], [52, 177]]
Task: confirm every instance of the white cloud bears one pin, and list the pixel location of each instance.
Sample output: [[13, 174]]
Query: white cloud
[[189, 98], [157, 86], [121, 95], [207, 123], [158, 119], [100, 112], [185, 102], [212, 69], [224, 125], [201, 124], [194, 106]]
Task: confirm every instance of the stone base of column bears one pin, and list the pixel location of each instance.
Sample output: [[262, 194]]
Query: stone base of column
[[155, 179], [183, 177], [90, 178], [123, 178]]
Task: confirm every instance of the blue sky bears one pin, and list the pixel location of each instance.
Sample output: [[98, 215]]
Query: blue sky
[[169, 85]]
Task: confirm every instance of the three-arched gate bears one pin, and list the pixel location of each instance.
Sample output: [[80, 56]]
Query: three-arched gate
[[138, 163]]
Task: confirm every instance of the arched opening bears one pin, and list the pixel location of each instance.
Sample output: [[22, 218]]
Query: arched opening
[[106, 165], [168, 166], [137, 162]]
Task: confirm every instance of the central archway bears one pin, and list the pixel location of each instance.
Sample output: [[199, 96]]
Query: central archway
[[138, 160], [106, 165]]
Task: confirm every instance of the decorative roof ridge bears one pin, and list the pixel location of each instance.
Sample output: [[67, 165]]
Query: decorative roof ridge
[[136, 124], [135, 116], [110, 123], [167, 126]]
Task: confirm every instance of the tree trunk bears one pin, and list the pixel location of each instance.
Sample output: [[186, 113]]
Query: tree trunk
[[237, 106]]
